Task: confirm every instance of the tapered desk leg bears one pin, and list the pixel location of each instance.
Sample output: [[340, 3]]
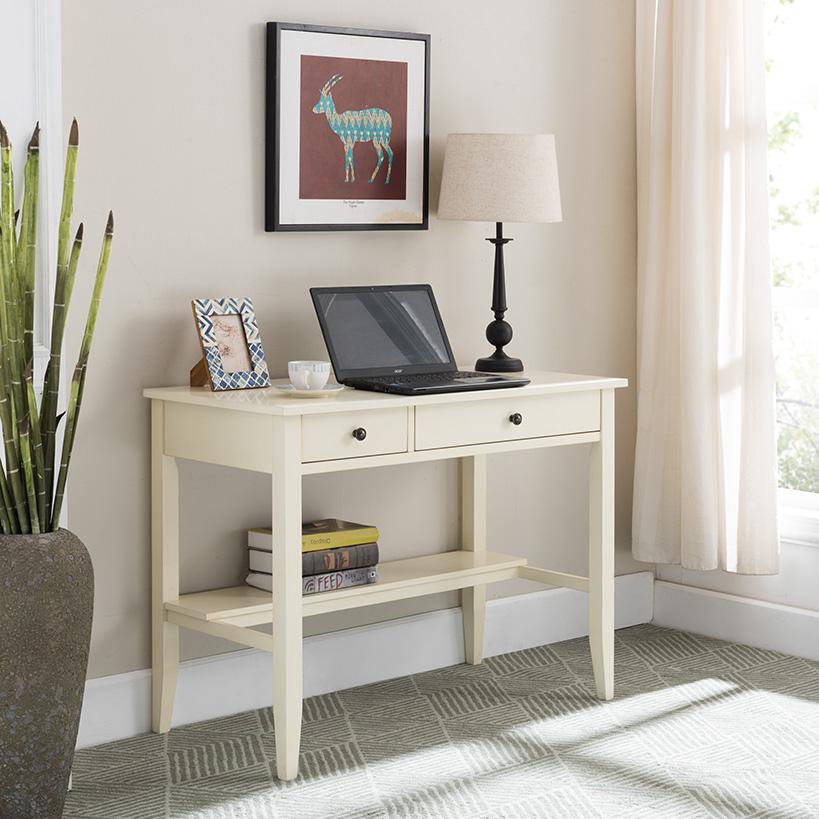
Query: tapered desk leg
[[165, 571], [601, 551], [473, 539], [287, 602]]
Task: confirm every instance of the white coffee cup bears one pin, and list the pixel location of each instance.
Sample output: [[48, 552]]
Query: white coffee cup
[[308, 375]]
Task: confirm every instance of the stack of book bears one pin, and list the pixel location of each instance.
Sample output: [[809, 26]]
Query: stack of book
[[335, 554]]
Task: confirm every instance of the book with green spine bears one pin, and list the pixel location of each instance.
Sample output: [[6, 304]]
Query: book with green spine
[[328, 533]]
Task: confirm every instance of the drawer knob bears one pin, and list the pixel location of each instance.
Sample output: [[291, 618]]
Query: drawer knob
[[359, 433], [516, 418]]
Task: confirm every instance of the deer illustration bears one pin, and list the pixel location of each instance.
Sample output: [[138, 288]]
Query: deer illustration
[[368, 125]]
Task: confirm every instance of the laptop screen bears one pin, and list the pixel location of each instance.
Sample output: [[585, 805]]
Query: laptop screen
[[382, 330]]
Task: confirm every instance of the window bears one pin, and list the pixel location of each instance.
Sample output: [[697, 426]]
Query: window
[[793, 165]]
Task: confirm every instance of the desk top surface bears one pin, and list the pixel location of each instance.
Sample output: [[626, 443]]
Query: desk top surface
[[271, 401]]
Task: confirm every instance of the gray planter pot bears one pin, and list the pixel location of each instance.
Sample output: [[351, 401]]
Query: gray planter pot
[[46, 605]]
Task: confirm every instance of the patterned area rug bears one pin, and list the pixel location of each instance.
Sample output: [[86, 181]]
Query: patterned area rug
[[699, 728]]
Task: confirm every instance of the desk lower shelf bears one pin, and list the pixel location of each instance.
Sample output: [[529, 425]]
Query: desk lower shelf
[[398, 580]]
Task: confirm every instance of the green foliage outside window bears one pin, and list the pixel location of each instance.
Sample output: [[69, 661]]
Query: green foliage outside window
[[793, 164]]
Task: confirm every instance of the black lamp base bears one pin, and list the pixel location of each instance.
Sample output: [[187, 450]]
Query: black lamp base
[[499, 362], [499, 332]]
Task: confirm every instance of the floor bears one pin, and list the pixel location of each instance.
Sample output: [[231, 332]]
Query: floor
[[699, 728]]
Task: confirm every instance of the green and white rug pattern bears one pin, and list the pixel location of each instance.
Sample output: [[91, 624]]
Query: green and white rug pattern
[[698, 728]]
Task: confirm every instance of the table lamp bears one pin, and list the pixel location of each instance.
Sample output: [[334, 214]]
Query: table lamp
[[500, 178]]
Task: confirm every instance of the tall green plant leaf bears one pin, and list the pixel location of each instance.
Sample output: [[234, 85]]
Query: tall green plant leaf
[[37, 451], [10, 364], [27, 244], [29, 500], [78, 379], [48, 411], [28, 473], [6, 505]]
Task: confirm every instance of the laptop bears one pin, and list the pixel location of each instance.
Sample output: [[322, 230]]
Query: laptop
[[391, 339]]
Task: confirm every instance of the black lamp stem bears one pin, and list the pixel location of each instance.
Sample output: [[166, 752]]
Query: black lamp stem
[[499, 332], [499, 283]]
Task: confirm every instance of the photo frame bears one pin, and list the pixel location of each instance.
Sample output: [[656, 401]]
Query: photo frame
[[232, 353], [347, 129]]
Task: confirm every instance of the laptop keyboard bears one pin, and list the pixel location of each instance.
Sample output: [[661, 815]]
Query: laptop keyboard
[[425, 378]]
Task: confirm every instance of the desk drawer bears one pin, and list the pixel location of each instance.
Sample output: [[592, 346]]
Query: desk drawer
[[488, 421], [333, 436]]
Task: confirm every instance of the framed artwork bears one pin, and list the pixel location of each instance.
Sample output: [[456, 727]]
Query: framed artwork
[[232, 354], [347, 144]]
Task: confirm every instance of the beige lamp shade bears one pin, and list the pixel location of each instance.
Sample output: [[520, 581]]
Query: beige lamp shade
[[500, 178]]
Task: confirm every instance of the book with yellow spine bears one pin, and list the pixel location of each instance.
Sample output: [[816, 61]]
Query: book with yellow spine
[[329, 533]]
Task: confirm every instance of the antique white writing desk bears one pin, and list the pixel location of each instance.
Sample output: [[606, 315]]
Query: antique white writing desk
[[266, 431]]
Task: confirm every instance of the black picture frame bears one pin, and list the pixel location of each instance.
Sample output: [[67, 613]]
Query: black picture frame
[[273, 123]]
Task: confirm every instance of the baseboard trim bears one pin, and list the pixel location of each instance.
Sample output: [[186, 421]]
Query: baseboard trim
[[118, 706], [757, 623]]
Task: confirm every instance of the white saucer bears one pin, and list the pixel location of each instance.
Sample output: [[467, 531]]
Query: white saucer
[[325, 392]]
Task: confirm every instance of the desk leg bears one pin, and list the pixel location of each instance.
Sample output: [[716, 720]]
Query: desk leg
[[165, 572], [473, 539], [601, 551], [287, 603]]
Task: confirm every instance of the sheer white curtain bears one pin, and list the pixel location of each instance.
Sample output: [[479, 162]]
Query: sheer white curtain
[[705, 472]]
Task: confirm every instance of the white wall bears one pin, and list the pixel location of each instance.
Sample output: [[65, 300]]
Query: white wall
[[30, 92], [797, 583], [18, 110], [778, 612], [170, 101]]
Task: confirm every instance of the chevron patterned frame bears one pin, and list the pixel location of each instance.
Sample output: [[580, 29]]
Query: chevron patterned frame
[[204, 310]]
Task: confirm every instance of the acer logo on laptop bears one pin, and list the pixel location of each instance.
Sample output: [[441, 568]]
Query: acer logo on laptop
[[398, 371]]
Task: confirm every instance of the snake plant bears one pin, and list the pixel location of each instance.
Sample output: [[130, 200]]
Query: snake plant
[[32, 482]]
